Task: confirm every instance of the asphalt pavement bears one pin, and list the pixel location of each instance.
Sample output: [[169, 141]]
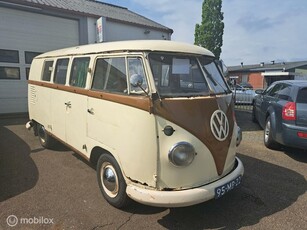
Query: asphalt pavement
[[57, 189]]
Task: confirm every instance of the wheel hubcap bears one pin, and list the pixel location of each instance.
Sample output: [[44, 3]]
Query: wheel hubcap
[[109, 180], [42, 133], [267, 131]]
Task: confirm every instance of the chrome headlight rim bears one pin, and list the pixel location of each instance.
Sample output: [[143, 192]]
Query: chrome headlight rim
[[174, 157]]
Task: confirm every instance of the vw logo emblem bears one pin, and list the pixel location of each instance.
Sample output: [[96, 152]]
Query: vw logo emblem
[[219, 125]]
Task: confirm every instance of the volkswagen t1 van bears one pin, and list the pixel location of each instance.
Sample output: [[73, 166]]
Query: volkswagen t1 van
[[155, 117]]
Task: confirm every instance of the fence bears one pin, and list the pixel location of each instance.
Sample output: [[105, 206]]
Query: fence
[[244, 98]]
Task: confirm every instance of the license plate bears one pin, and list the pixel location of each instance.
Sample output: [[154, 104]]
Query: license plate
[[223, 189]]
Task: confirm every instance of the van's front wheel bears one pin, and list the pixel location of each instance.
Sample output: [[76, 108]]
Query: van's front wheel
[[111, 181]]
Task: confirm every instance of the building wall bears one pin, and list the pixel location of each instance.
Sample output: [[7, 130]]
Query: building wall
[[256, 80], [25, 31], [117, 31]]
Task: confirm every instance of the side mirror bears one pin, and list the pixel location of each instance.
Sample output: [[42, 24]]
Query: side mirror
[[259, 91], [136, 80]]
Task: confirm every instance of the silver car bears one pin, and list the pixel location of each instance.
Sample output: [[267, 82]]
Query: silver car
[[243, 95]]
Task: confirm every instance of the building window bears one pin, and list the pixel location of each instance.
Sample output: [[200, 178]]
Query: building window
[[10, 56], [27, 73], [47, 71], [61, 71], [29, 56], [10, 73], [79, 71]]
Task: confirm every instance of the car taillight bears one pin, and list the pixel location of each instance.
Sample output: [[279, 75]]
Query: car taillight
[[302, 135], [289, 111]]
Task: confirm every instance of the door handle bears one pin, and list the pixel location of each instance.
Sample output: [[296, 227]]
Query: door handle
[[90, 111], [68, 104]]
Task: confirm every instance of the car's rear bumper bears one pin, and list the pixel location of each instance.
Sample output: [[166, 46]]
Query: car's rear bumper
[[186, 197], [289, 136]]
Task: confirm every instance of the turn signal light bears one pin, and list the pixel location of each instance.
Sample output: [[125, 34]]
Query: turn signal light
[[289, 111]]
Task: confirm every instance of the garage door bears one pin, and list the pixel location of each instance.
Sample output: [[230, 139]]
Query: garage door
[[24, 35]]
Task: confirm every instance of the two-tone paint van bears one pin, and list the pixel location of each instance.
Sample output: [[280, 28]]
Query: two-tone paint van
[[155, 117]]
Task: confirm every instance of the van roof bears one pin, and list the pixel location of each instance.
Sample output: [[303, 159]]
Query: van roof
[[136, 45]]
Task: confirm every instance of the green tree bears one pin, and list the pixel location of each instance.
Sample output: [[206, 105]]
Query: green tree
[[209, 33]]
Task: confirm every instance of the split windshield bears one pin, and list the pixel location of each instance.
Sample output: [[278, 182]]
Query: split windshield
[[186, 75]]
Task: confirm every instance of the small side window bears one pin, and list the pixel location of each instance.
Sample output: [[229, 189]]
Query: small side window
[[79, 71], [110, 75], [135, 66], [61, 71], [100, 74], [47, 71]]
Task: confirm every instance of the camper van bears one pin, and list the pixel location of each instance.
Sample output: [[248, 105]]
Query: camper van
[[156, 118]]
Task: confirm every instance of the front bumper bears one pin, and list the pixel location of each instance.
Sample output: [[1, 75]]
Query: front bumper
[[182, 198]]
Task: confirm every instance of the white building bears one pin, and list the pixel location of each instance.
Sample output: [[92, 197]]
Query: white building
[[31, 27]]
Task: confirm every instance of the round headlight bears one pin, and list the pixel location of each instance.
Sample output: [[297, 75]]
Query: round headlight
[[181, 154]]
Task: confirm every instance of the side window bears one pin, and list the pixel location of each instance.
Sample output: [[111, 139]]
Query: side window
[[110, 75], [284, 92], [79, 71], [100, 74], [136, 69], [302, 96], [61, 71], [47, 71], [272, 92]]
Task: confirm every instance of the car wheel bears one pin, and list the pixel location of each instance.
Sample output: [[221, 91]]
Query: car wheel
[[44, 138], [269, 142], [111, 181]]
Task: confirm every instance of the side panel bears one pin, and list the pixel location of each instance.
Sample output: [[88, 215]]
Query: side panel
[[129, 133], [39, 104], [76, 110], [57, 125]]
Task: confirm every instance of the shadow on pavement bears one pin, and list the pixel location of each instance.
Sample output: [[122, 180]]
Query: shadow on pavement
[[266, 189], [244, 120], [18, 172], [13, 120], [296, 154]]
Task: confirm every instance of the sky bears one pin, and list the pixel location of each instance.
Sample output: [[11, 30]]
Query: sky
[[255, 30]]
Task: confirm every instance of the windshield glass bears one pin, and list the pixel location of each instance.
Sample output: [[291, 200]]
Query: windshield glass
[[214, 76], [183, 75]]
